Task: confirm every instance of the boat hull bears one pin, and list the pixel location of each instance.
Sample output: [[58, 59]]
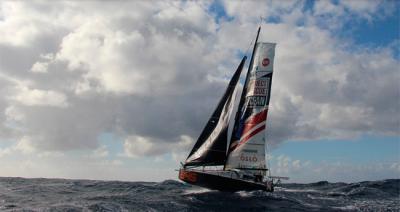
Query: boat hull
[[222, 183]]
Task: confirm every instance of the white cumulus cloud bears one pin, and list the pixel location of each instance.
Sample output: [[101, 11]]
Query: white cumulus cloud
[[151, 73]]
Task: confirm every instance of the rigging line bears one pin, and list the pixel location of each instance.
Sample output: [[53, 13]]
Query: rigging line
[[252, 40], [268, 157], [261, 20], [248, 48]]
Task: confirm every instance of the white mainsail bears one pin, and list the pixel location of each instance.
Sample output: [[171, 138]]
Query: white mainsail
[[247, 148]]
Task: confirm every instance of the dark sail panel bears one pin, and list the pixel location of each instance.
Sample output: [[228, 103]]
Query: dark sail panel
[[210, 148]]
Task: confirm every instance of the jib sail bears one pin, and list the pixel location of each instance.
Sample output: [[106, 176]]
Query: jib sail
[[210, 148]]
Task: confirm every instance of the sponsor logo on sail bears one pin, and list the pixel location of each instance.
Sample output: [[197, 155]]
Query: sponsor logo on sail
[[265, 62], [260, 83], [256, 101], [258, 87], [260, 91], [244, 157]]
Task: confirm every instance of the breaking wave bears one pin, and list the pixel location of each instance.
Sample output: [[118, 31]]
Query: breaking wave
[[19, 194]]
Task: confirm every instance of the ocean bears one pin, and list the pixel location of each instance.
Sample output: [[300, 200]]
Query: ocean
[[21, 194]]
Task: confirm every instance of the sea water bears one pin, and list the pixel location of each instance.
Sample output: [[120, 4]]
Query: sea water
[[20, 194]]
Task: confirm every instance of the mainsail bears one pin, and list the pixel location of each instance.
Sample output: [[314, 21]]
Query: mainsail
[[247, 147], [210, 148]]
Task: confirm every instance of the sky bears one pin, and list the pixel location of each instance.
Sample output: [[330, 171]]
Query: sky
[[120, 90]]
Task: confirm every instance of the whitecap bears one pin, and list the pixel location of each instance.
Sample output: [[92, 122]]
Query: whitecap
[[244, 193], [196, 191], [301, 190], [320, 198], [345, 208]]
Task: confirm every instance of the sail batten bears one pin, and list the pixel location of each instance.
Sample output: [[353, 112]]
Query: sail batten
[[210, 148]]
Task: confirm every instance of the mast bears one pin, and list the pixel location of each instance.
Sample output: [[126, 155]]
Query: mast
[[243, 96], [247, 147]]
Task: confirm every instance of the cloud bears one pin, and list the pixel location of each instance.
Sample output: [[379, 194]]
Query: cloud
[[137, 146], [25, 145], [151, 74], [39, 67], [335, 14], [395, 166], [338, 171], [100, 152], [36, 97]]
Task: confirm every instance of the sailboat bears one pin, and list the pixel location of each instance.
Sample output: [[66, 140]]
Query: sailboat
[[233, 158]]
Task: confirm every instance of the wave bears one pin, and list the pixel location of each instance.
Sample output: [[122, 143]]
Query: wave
[[18, 194]]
